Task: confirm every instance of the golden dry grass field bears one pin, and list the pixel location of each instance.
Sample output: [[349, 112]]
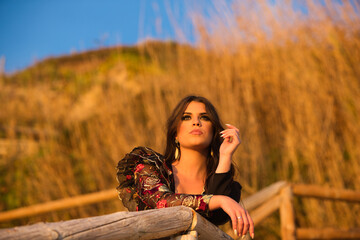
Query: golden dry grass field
[[289, 81]]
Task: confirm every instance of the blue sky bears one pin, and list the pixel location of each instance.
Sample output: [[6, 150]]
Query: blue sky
[[32, 30]]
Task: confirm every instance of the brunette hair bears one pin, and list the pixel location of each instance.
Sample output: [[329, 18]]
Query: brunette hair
[[174, 121]]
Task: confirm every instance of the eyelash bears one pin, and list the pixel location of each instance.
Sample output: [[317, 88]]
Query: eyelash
[[188, 117]]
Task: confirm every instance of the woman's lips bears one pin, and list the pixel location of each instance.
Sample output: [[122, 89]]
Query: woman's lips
[[196, 132]]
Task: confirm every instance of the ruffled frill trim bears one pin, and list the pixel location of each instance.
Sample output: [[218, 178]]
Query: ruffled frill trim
[[129, 165]]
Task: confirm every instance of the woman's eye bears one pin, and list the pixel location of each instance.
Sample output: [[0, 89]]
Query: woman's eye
[[206, 118], [186, 117]]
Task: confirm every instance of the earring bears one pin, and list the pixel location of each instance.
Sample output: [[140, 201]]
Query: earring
[[177, 151], [212, 153]]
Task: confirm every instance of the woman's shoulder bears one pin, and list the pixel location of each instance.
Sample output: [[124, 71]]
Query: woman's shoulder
[[146, 155], [145, 152], [142, 155]]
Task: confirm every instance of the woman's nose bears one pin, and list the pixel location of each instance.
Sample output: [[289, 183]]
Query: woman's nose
[[196, 122]]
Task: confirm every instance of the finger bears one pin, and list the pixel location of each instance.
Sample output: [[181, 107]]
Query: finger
[[230, 134], [246, 224], [234, 224], [251, 227], [231, 126], [230, 130], [231, 137], [240, 221], [228, 139], [227, 131]]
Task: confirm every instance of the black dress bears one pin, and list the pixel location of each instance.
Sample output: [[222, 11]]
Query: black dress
[[146, 182]]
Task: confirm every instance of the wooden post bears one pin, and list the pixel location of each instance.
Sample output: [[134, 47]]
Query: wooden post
[[287, 216]]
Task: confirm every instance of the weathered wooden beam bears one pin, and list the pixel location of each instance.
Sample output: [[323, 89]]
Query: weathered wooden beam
[[264, 195], [327, 233], [58, 205], [149, 224], [266, 209], [307, 190]]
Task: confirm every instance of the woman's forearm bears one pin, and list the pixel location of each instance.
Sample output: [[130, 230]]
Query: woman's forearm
[[224, 164], [216, 201]]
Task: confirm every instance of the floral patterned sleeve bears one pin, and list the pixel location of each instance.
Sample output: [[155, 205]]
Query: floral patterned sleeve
[[144, 183]]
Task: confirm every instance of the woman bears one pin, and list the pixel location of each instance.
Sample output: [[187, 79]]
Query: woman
[[195, 171]]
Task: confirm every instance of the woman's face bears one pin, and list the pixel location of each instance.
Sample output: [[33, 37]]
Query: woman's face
[[195, 129]]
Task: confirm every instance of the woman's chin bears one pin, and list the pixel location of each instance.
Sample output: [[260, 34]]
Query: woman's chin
[[198, 145]]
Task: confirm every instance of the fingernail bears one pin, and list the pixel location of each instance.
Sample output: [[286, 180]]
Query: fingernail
[[243, 236], [235, 231], [228, 124], [252, 236]]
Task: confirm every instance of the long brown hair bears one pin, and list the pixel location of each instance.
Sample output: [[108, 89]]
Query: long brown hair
[[174, 121]]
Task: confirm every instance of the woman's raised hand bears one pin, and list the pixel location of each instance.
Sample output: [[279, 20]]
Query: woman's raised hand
[[240, 218], [231, 140], [227, 148]]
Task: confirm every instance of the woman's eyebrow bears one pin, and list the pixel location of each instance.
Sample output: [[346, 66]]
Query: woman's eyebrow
[[203, 113]]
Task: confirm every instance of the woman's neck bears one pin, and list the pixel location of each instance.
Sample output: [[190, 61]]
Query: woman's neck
[[192, 162]]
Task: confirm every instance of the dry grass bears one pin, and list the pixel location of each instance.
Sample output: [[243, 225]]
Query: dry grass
[[290, 82]]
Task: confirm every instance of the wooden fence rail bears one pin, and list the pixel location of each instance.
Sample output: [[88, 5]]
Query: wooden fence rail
[[315, 191], [58, 205]]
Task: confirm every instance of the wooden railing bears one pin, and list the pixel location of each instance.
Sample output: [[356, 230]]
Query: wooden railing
[[278, 196], [330, 194], [60, 204]]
